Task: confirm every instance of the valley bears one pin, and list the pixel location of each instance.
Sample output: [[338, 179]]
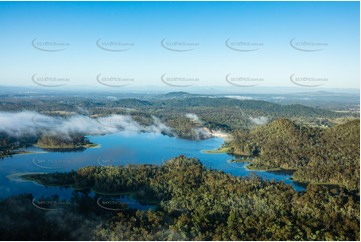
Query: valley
[[179, 160]]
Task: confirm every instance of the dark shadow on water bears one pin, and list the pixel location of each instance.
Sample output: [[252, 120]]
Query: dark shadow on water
[[283, 172], [64, 150]]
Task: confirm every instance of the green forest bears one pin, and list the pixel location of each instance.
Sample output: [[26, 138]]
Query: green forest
[[214, 113], [10, 145], [318, 155], [13, 145], [194, 203], [73, 141], [320, 147]]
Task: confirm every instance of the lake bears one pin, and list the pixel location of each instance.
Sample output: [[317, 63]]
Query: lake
[[119, 149]]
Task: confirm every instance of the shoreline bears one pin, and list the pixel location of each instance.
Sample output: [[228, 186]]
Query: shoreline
[[85, 146], [221, 150], [131, 194], [249, 167], [46, 150], [19, 176], [23, 153]]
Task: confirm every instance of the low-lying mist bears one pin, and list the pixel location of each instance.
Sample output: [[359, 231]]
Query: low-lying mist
[[260, 120], [29, 123]]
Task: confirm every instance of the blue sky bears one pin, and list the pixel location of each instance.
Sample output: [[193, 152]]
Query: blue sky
[[267, 28]]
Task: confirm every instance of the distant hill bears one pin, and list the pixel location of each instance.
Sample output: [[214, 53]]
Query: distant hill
[[178, 94], [225, 114], [132, 102], [255, 106]]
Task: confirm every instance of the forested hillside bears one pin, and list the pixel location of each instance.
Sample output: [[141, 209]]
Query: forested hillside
[[199, 204], [321, 155], [216, 113]]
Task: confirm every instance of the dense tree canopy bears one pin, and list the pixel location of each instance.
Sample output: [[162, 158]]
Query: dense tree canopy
[[322, 155], [199, 204]]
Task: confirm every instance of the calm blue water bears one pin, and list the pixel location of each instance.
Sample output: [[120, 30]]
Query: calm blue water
[[118, 149]]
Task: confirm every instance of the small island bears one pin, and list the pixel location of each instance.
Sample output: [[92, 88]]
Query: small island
[[69, 142], [10, 146]]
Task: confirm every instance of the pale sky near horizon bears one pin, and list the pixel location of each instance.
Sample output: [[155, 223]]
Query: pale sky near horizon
[[176, 43]]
